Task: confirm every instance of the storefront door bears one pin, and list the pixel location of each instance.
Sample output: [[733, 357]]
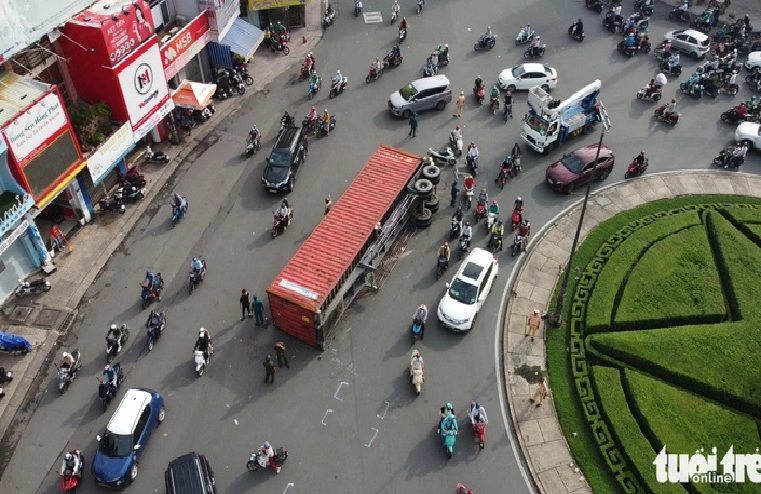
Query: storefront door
[[15, 265]]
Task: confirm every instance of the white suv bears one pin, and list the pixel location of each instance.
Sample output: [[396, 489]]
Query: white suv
[[468, 290]]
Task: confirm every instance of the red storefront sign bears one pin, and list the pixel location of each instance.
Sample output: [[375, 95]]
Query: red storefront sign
[[191, 39]]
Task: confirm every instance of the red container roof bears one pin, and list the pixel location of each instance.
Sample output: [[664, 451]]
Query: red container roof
[[319, 264]]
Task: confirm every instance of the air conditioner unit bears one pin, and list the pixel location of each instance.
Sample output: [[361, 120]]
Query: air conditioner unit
[[174, 31], [181, 20], [165, 39]]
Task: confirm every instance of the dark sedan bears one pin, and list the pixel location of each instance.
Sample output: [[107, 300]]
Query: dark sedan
[[575, 168]]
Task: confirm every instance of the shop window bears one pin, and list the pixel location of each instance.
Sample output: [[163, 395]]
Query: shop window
[[51, 163]]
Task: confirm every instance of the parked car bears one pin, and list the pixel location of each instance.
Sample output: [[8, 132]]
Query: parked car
[[753, 62], [689, 41], [127, 433], [575, 168], [467, 291], [285, 160], [528, 75], [419, 95], [750, 133], [190, 474]]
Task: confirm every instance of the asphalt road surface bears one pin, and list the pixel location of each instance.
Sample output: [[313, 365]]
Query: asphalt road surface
[[348, 417]]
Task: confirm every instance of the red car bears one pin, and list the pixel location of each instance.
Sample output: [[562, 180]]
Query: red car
[[575, 168]]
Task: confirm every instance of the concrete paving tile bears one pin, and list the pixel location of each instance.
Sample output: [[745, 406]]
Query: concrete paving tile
[[521, 344], [545, 280], [548, 455], [517, 324], [518, 387], [692, 187], [740, 185], [663, 192], [535, 259], [599, 213], [655, 182], [754, 186], [626, 189], [541, 296], [582, 490], [723, 186], [525, 410], [550, 428], [555, 266], [708, 183], [633, 201], [524, 287], [523, 307], [601, 200], [674, 184], [572, 480], [552, 483], [531, 433]]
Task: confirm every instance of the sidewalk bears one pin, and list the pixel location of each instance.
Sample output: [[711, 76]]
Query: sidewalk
[[41, 319], [541, 439]]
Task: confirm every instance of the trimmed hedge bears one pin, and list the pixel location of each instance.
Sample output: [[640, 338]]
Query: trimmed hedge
[[674, 283], [739, 263], [635, 446], [719, 361], [752, 231], [620, 262], [744, 213], [684, 422]]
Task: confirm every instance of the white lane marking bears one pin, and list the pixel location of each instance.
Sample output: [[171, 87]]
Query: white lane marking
[[373, 438], [290, 484], [340, 385], [384, 411], [329, 410]]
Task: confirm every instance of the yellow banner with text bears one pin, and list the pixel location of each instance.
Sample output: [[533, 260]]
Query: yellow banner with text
[[273, 4]]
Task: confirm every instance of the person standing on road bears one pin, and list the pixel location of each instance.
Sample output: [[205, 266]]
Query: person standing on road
[[282, 358], [258, 311], [413, 125], [460, 104], [245, 304], [455, 191], [269, 367]]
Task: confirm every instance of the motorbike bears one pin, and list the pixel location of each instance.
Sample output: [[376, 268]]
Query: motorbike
[[112, 206], [532, 52], [730, 116], [596, 5], [660, 114], [725, 159], [456, 146], [479, 428], [390, 63], [66, 372], [402, 33], [106, 390], [494, 104], [516, 248], [428, 69], [133, 177], [614, 24], [357, 7], [675, 71], [469, 196], [629, 51], [448, 440], [515, 218], [321, 131], [69, 482], [313, 88], [394, 17], [419, 7], [491, 218], [524, 38], [495, 241], [417, 377], [727, 88], [695, 90], [194, 278], [237, 82], [155, 157], [416, 329], [456, 227], [223, 92], [242, 72], [485, 44], [32, 287], [200, 362], [156, 324], [373, 75], [461, 489], [14, 344], [304, 73], [252, 146], [480, 211], [644, 93], [201, 116], [641, 23], [479, 94], [336, 89], [441, 266], [329, 19], [112, 346], [577, 37], [446, 156], [679, 15], [129, 193], [280, 45], [178, 213], [472, 164], [634, 170], [506, 169], [147, 296], [253, 461], [462, 247]]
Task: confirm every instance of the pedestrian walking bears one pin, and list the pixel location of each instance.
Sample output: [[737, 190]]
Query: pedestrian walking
[[460, 104], [59, 238], [533, 323], [455, 191], [269, 368], [282, 358], [328, 205], [413, 125], [540, 395], [245, 304], [258, 307]]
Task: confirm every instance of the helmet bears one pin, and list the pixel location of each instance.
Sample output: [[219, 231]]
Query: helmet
[[642, 153], [449, 406], [201, 332], [519, 199], [195, 259], [538, 37], [446, 244], [338, 72], [65, 354], [467, 223], [326, 110], [446, 45], [494, 202], [472, 143], [673, 100], [451, 416], [488, 28], [478, 405], [457, 128], [266, 445], [107, 368], [417, 354], [478, 77], [69, 457], [147, 274], [423, 306], [313, 108], [113, 327]]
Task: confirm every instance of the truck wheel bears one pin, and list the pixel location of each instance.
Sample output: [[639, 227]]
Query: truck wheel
[[423, 218], [432, 173], [424, 188], [432, 204]]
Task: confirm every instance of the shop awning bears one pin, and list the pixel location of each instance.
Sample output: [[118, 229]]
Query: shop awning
[[194, 95], [242, 38]]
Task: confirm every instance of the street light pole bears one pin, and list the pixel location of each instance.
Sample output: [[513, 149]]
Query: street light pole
[[555, 318]]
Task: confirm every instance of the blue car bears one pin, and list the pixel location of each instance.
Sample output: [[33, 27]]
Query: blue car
[[128, 432]]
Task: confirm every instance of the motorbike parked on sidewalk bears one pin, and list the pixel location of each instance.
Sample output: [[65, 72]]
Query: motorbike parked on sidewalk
[[112, 206], [128, 192], [156, 324], [155, 157], [66, 373], [446, 156], [32, 287]]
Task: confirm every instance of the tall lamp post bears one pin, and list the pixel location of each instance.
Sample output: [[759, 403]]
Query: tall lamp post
[[555, 318]]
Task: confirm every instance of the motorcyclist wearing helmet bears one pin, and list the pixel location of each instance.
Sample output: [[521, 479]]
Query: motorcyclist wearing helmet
[[456, 135], [111, 376], [197, 267], [67, 361], [578, 28], [483, 197], [338, 78], [477, 413], [469, 184], [524, 230], [416, 363], [404, 24], [487, 35], [151, 283], [445, 412], [180, 202], [203, 343], [395, 7], [752, 104], [284, 213], [536, 46], [671, 108], [494, 93], [312, 118], [507, 165], [72, 464], [467, 232], [673, 62], [518, 205], [498, 229], [479, 83], [253, 134], [472, 155], [420, 316], [445, 252], [449, 424], [286, 119], [526, 32], [314, 79], [115, 333], [494, 208], [267, 457]]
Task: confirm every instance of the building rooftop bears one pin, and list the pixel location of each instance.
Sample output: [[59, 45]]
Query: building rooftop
[[16, 94]]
